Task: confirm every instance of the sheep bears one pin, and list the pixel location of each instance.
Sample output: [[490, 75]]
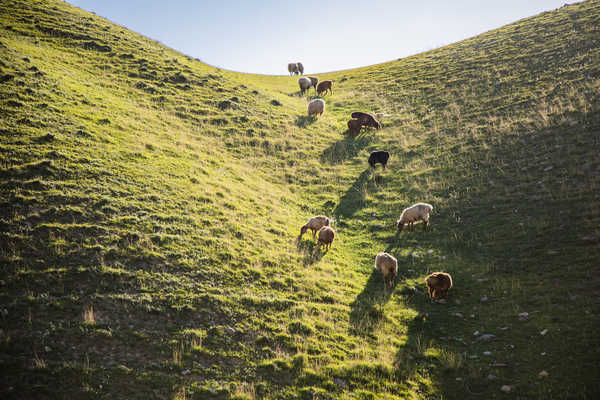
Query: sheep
[[304, 84], [380, 157], [323, 86], [354, 126], [316, 106], [366, 119], [293, 68], [314, 224], [326, 235], [300, 68], [438, 284], [314, 81], [388, 266], [415, 213]]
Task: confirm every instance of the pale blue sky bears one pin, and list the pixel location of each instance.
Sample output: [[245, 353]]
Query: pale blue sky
[[262, 36]]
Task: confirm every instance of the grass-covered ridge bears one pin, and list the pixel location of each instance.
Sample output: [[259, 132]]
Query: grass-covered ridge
[[150, 207]]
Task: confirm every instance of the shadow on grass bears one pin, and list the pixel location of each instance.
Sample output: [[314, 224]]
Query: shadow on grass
[[310, 251], [304, 120], [367, 309], [346, 148], [354, 198]]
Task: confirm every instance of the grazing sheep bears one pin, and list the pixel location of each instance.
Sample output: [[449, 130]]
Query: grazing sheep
[[415, 213], [324, 86], [293, 68], [388, 266], [438, 284], [314, 224], [316, 106], [380, 157], [304, 84], [314, 81], [354, 126], [366, 119], [326, 235], [300, 68]]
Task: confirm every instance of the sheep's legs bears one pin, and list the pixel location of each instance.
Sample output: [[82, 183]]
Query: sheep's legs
[[425, 225]]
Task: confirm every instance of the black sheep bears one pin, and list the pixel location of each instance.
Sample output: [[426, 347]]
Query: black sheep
[[380, 157]]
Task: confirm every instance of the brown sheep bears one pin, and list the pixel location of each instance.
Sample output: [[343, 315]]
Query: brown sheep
[[354, 126], [324, 86], [314, 224], [438, 284], [366, 119], [326, 236]]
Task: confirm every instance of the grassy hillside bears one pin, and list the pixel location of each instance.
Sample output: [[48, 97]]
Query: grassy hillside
[[151, 205]]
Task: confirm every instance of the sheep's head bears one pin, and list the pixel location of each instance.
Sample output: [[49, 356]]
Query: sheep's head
[[400, 225], [303, 230]]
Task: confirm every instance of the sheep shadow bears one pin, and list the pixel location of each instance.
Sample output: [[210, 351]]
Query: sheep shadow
[[354, 197], [346, 148], [309, 249], [304, 120], [367, 309]]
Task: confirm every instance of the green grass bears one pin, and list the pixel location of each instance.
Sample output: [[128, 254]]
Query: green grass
[[151, 206]]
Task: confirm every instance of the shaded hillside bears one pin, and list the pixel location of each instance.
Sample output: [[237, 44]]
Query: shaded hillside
[[151, 206]]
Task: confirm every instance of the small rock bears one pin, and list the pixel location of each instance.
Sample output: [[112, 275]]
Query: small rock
[[503, 328], [590, 238], [442, 301], [339, 382], [486, 337], [552, 252], [543, 353], [472, 315], [4, 311], [544, 332], [572, 297], [459, 379], [543, 374], [484, 298], [230, 330], [506, 388], [459, 315], [457, 301], [186, 372], [487, 353], [476, 333], [573, 123], [548, 168], [124, 368], [430, 251], [491, 377], [47, 348], [523, 316]]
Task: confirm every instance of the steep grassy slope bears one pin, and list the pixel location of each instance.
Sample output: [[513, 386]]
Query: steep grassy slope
[[151, 206]]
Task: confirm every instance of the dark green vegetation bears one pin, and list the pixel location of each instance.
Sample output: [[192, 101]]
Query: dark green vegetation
[[150, 207]]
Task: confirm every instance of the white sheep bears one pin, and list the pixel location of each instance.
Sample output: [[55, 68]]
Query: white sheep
[[388, 266], [316, 106], [304, 84], [314, 224], [415, 213]]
